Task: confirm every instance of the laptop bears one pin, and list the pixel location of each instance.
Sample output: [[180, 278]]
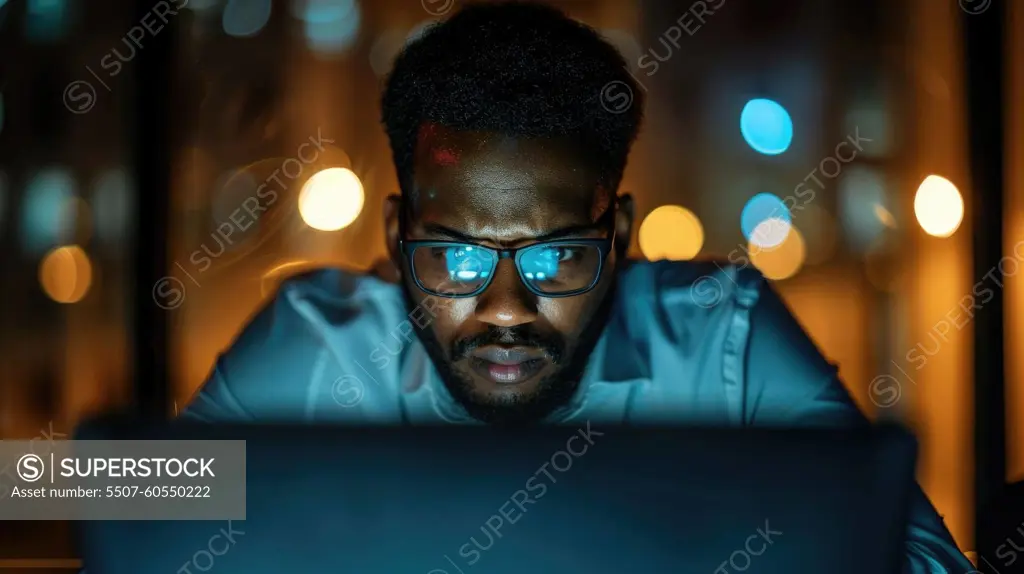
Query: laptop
[[552, 500]]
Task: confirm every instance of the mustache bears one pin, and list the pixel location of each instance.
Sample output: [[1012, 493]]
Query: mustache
[[552, 344]]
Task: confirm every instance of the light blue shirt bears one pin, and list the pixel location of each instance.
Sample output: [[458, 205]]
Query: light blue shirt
[[686, 342]]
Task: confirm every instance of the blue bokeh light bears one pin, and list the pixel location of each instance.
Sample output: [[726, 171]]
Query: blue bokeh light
[[47, 216], [861, 191], [761, 208], [331, 26], [112, 203], [245, 18], [766, 126], [333, 37], [322, 11], [46, 20]]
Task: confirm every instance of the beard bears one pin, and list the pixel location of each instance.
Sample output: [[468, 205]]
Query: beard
[[517, 409]]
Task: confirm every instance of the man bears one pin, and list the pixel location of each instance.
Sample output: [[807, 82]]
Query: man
[[515, 302]]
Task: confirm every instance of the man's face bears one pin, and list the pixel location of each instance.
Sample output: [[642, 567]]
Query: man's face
[[506, 354]]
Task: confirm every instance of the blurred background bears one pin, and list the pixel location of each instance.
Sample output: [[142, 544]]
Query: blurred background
[[824, 142]]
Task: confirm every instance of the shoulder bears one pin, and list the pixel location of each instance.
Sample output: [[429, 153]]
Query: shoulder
[[313, 331], [734, 314], [742, 296], [316, 308], [692, 288]]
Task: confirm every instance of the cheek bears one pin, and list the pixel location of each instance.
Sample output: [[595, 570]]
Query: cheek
[[446, 315], [452, 313], [571, 314], [568, 315]]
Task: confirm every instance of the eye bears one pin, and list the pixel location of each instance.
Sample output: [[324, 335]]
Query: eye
[[567, 254], [558, 254], [454, 253]]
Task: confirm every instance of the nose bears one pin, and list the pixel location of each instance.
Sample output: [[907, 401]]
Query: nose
[[506, 302]]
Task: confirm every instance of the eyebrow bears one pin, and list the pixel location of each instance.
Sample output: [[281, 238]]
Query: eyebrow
[[564, 232]]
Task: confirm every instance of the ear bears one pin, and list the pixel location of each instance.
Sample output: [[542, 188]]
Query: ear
[[624, 223], [392, 231]]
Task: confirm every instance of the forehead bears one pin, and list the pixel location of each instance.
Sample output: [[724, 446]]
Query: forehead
[[490, 185]]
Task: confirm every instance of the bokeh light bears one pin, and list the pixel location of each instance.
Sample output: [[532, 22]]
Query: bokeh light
[[766, 126], [783, 261], [871, 115], [322, 11], [760, 209], [47, 20], [671, 232], [331, 27], [885, 217], [939, 207], [48, 215], [862, 191], [245, 18], [65, 274], [333, 38], [331, 199], [112, 207]]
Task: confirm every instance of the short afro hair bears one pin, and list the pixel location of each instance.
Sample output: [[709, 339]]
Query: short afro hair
[[520, 69]]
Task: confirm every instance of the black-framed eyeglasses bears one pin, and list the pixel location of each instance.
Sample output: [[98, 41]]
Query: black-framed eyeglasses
[[556, 268], [553, 268]]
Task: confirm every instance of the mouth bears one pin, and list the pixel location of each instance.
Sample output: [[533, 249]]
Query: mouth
[[508, 365]]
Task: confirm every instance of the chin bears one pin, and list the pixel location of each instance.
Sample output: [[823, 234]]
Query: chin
[[524, 403], [490, 394], [497, 398]]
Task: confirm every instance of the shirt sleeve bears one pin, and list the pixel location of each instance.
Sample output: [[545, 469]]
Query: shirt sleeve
[[790, 382]]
